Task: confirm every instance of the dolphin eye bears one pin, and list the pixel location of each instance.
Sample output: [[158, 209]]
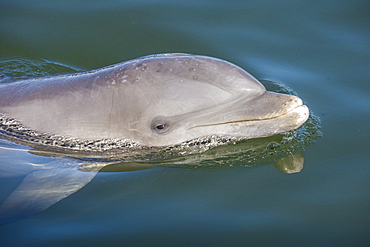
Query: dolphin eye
[[159, 126]]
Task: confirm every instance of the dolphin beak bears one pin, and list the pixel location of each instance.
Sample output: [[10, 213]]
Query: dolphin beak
[[267, 107]]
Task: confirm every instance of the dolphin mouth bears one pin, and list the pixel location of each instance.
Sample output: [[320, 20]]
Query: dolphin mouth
[[301, 111]]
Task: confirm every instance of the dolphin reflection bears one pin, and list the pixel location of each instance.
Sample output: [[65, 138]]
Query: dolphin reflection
[[47, 180]]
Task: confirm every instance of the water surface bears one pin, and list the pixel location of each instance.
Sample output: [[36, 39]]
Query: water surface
[[320, 50]]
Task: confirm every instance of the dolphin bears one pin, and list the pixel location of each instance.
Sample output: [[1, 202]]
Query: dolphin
[[152, 101]]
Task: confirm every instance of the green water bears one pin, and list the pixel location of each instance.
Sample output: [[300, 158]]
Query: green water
[[319, 49]]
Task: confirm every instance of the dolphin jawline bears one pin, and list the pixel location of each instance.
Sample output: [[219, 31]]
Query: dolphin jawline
[[300, 109]]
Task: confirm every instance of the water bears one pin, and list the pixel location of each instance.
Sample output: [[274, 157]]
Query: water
[[321, 50]]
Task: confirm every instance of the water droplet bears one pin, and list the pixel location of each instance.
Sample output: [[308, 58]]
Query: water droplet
[[191, 69], [194, 77]]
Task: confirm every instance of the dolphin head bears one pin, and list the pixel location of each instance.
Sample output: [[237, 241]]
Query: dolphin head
[[183, 97], [156, 100]]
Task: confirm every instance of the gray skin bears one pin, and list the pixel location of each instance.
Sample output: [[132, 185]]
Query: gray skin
[[156, 100]]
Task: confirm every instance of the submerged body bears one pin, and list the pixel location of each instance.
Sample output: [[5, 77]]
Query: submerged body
[[157, 100]]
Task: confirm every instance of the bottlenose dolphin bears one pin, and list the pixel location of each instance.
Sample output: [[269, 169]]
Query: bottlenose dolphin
[[152, 101], [155, 102]]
